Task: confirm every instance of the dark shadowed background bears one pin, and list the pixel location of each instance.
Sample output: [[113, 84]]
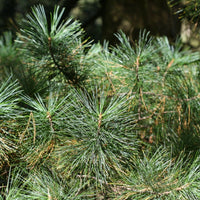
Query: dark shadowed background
[[102, 18]]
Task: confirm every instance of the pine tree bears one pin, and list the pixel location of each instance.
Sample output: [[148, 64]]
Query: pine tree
[[85, 121]]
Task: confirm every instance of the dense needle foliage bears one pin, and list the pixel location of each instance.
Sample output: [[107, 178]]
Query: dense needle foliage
[[84, 121]]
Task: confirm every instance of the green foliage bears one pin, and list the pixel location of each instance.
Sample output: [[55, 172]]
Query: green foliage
[[98, 139], [43, 122], [14, 186], [11, 63], [8, 54], [81, 121], [37, 182], [158, 176], [9, 97], [57, 44]]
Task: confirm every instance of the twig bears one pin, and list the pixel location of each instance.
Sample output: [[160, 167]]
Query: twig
[[52, 55], [27, 126], [149, 189], [99, 123], [168, 66], [110, 81], [141, 99], [50, 121]]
